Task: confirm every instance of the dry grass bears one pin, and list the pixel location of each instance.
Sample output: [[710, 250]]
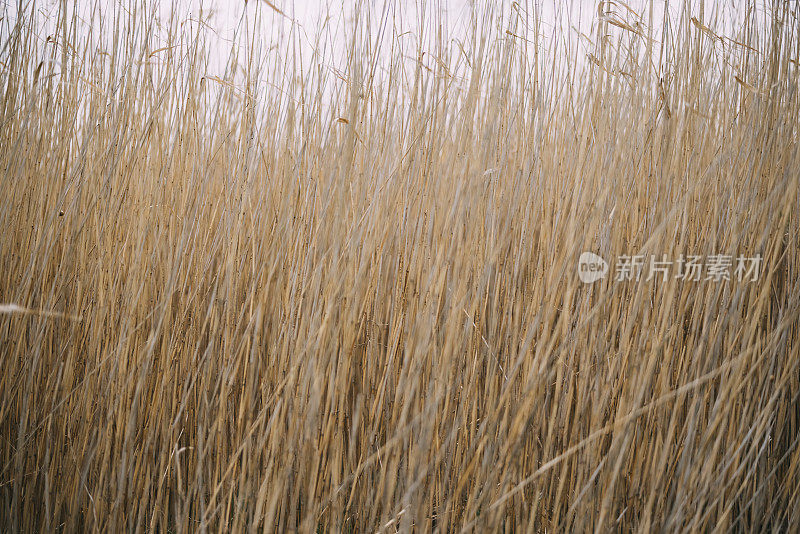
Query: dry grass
[[351, 303]]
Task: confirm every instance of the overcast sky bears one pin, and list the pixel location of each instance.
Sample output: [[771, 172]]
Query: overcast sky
[[273, 20], [285, 27]]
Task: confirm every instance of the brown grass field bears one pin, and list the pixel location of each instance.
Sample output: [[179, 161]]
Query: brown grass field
[[352, 303]]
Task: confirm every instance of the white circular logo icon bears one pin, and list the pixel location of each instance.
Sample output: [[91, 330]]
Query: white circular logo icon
[[591, 268]]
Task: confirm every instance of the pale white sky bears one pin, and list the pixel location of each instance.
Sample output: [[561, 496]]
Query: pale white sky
[[223, 17], [289, 28]]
